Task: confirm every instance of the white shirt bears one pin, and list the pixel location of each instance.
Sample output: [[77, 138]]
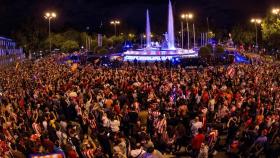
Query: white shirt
[[212, 105], [63, 125], [195, 127], [106, 121], [115, 125], [61, 135], [45, 125], [137, 152]]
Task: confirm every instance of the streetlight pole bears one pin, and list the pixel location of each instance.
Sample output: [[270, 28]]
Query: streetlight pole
[[50, 35], [256, 34], [193, 36], [256, 21], [50, 16], [115, 23], [182, 34], [188, 30], [187, 17]]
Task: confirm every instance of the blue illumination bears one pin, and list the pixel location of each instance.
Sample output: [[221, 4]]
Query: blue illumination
[[127, 45], [240, 59]]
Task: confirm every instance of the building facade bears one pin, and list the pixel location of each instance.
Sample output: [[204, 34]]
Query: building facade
[[9, 52]]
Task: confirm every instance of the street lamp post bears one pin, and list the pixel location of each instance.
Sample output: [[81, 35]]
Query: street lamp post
[[49, 16], [255, 22], [193, 36], [115, 23], [182, 34], [187, 17]]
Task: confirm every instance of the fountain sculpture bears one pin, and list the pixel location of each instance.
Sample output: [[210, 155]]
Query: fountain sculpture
[[152, 53]]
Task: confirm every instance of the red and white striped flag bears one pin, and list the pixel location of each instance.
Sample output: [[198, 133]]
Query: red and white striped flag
[[89, 153], [231, 72], [160, 125]]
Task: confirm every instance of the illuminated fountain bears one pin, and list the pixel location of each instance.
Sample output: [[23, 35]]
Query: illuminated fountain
[[170, 40], [153, 53]]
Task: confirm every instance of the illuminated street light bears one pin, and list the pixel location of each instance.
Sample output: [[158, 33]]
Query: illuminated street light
[[256, 21], [115, 23], [276, 11], [187, 17], [49, 16], [131, 35]]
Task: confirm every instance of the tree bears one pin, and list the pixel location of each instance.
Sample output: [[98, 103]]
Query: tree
[[242, 35], [204, 52], [271, 31], [273, 42], [103, 51], [57, 40], [219, 50], [210, 34], [117, 40], [69, 45], [31, 36], [100, 50], [210, 47], [73, 35]]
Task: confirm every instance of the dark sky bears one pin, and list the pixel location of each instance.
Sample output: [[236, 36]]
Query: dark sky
[[81, 13]]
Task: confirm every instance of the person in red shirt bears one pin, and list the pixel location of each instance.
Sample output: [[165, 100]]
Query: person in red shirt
[[197, 141]]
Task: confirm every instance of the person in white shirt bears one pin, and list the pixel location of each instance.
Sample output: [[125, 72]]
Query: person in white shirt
[[196, 125], [137, 152], [105, 120], [115, 125]]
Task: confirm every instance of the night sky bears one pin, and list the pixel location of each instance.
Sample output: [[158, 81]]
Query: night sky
[[79, 14]]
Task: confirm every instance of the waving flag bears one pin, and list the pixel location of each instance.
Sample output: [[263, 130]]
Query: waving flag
[[231, 72]]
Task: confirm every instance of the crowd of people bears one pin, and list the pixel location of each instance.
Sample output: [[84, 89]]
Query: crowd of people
[[143, 111]]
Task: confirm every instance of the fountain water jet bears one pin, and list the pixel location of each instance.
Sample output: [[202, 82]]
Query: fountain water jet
[[171, 38], [166, 51]]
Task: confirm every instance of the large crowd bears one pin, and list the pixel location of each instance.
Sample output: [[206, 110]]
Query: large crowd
[[143, 111]]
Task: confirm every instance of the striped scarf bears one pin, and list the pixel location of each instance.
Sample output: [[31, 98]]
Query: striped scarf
[[89, 153]]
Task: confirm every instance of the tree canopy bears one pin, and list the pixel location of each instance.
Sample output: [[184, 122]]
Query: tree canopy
[[219, 50], [271, 31], [204, 52], [69, 45], [242, 34]]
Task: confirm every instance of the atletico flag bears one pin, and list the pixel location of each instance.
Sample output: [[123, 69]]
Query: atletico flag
[[231, 72]]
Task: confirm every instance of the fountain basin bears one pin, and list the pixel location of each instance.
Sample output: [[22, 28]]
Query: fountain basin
[[157, 55]]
